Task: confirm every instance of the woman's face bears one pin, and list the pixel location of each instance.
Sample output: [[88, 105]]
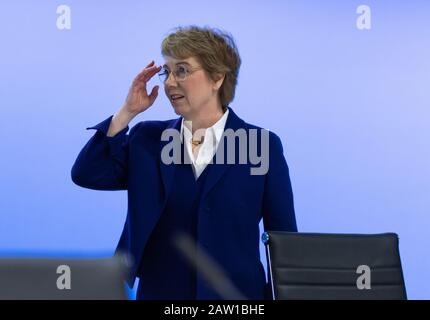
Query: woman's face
[[199, 91]]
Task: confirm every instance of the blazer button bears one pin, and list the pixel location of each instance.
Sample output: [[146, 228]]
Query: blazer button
[[207, 208]]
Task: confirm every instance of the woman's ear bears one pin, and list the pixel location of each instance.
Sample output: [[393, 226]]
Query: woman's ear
[[219, 81]]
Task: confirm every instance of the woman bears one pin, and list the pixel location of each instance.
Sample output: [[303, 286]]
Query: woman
[[218, 204]]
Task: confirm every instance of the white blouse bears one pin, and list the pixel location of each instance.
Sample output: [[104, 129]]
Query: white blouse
[[208, 148]]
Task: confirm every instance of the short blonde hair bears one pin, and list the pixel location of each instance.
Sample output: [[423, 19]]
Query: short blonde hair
[[215, 50]]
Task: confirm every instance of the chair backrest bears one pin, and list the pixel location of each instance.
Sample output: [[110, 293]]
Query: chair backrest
[[334, 266], [62, 279]]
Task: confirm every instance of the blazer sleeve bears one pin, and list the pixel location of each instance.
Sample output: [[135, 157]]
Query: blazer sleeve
[[102, 162], [278, 203]]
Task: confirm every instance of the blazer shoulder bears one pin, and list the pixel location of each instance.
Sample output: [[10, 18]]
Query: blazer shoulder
[[273, 137], [151, 129]]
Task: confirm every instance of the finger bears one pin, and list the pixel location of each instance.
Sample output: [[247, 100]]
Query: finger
[[148, 73], [145, 70], [151, 73], [152, 69], [154, 93], [150, 64]]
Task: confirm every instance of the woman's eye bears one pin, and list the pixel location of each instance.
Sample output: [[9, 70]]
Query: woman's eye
[[182, 70]]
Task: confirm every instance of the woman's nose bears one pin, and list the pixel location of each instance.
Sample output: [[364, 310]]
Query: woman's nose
[[171, 80]]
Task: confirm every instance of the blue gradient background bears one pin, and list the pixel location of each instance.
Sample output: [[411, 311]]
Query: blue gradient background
[[351, 107]]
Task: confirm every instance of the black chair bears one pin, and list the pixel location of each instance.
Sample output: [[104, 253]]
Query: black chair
[[334, 266], [63, 278]]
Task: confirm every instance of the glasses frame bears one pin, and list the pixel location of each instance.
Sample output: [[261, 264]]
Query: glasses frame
[[190, 71]]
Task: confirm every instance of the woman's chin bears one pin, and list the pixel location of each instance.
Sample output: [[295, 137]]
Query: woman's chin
[[180, 109]]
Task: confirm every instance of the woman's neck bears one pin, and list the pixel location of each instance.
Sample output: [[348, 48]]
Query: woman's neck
[[205, 120]]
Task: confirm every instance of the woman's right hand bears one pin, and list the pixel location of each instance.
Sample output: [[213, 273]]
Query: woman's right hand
[[138, 99]]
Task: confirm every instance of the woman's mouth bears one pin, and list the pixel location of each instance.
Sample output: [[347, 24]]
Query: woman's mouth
[[177, 98]]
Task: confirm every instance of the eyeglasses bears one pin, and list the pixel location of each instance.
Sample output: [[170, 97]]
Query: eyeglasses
[[181, 73]]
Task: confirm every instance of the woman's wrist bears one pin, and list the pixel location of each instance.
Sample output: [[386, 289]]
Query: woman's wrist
[[124, 116], [119, 121]]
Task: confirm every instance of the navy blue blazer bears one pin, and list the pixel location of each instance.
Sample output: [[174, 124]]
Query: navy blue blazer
[[233, 201]]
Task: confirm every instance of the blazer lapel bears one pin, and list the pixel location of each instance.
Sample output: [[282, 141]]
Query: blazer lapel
[[218, 170], [168, 170]]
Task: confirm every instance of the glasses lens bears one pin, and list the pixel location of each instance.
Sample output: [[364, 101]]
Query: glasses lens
[[181, 73]]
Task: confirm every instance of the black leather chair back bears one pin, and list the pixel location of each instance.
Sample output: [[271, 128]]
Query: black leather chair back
[[334, 266]]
